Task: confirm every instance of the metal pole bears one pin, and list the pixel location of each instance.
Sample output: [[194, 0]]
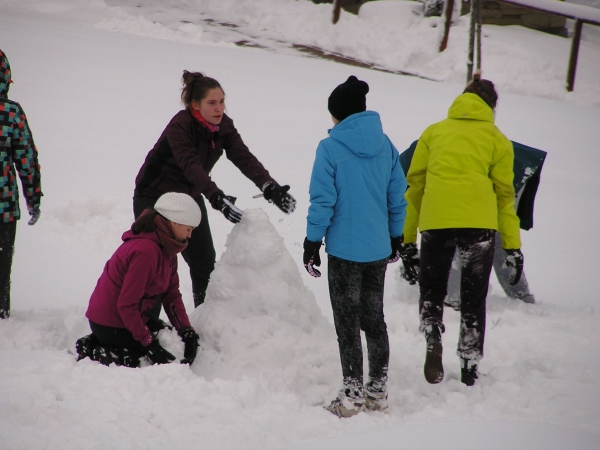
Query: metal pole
[[478, 8], [574, 54], [471, 42]]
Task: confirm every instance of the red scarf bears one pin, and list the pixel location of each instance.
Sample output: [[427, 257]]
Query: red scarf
[[212, 128], [167, 238]]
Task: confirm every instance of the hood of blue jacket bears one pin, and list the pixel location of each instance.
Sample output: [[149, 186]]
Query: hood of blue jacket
[[4, 75], [362, 133]]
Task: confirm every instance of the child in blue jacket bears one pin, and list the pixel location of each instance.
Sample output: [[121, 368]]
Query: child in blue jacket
[[357, 205]]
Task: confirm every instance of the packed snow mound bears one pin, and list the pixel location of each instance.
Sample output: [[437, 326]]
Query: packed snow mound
[[259, 319]]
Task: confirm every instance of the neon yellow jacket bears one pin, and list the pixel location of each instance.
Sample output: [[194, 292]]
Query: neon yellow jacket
[[461, 175]]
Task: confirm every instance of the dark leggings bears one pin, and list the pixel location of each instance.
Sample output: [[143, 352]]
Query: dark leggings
[[200, 252], [116, 337], [476, 251], [8, 232], [356, 292]]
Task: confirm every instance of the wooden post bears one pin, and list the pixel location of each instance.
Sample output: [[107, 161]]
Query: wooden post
[[574, 54], [449, 6], [337, 6]]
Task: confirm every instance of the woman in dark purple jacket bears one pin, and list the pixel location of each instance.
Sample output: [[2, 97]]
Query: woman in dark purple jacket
[[182, 159], [140, 277]]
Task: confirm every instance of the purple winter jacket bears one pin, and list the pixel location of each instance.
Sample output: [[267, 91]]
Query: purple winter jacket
[[137, 272], [183, 157]]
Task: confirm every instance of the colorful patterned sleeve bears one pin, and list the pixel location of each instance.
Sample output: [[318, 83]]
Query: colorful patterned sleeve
[[25, 158]]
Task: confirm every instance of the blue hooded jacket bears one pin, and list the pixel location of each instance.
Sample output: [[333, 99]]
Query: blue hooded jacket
[[357, 191]]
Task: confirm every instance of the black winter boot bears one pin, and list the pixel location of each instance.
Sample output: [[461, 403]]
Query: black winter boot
[[131, 357], [107, 355], [468, 372], [433, 369], [85, 346]]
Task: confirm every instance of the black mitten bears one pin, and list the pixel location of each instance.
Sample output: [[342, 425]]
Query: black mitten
[[513, 261], [410, 260], [157, 354], [311, 257], [396, 249], [191, 342], [226, 204], [279, 195]]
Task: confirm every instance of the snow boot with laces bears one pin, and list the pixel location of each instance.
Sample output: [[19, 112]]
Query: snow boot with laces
[[348, 403], [376, 397], [433, 369]]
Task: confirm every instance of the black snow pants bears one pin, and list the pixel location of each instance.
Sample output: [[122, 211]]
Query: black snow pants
[[200, 252], [8, 231], [519, 291], [476, 251], [356, 292]]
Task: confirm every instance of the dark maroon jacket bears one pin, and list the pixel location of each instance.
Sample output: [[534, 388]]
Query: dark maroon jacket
[[138, 272], [183, 157]]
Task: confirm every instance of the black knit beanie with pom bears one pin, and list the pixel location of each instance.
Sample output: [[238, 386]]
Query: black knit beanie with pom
[[348, 98]]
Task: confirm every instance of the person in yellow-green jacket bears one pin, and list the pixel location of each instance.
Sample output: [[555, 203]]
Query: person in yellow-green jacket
[[460, 193]]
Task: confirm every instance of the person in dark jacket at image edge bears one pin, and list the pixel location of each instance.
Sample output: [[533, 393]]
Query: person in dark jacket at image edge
[[182, 159], [17, 150]]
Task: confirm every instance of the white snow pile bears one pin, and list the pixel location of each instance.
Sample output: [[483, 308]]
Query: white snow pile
[[259, 319]]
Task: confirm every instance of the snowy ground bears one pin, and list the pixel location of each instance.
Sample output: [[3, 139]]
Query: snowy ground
[[97, 101]]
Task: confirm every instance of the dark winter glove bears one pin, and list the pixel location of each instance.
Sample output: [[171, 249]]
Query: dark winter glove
[[513, 261], [35, 214], [191, 341], [410, 260], [396, 249], [157, 354], [311, 257], [226, 204], [279, 195]]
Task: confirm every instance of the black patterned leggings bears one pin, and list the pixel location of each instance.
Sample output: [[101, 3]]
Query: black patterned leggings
[[476, 252], [356, 292], [7, 248]]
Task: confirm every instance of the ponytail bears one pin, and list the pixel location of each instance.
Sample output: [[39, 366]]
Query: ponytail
[[483, 88]]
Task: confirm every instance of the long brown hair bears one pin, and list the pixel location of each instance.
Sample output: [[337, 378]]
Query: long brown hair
[[195, 87], [145, 223], [484, 89]]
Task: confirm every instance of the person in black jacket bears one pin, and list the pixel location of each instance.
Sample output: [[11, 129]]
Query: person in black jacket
[[182, 159], [17, 150]]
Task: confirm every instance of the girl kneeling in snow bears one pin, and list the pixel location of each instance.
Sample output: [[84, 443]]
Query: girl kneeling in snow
[[139, 278]]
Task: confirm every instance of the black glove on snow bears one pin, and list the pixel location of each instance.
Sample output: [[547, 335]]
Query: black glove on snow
[[35, 214], [514, 262], [311, 257], [396, 249], [157, 354], [226, 204], [410, 259], [279, 195], [191, 342]]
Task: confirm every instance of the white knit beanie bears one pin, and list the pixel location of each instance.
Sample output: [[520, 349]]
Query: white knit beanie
[[179, 208]]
